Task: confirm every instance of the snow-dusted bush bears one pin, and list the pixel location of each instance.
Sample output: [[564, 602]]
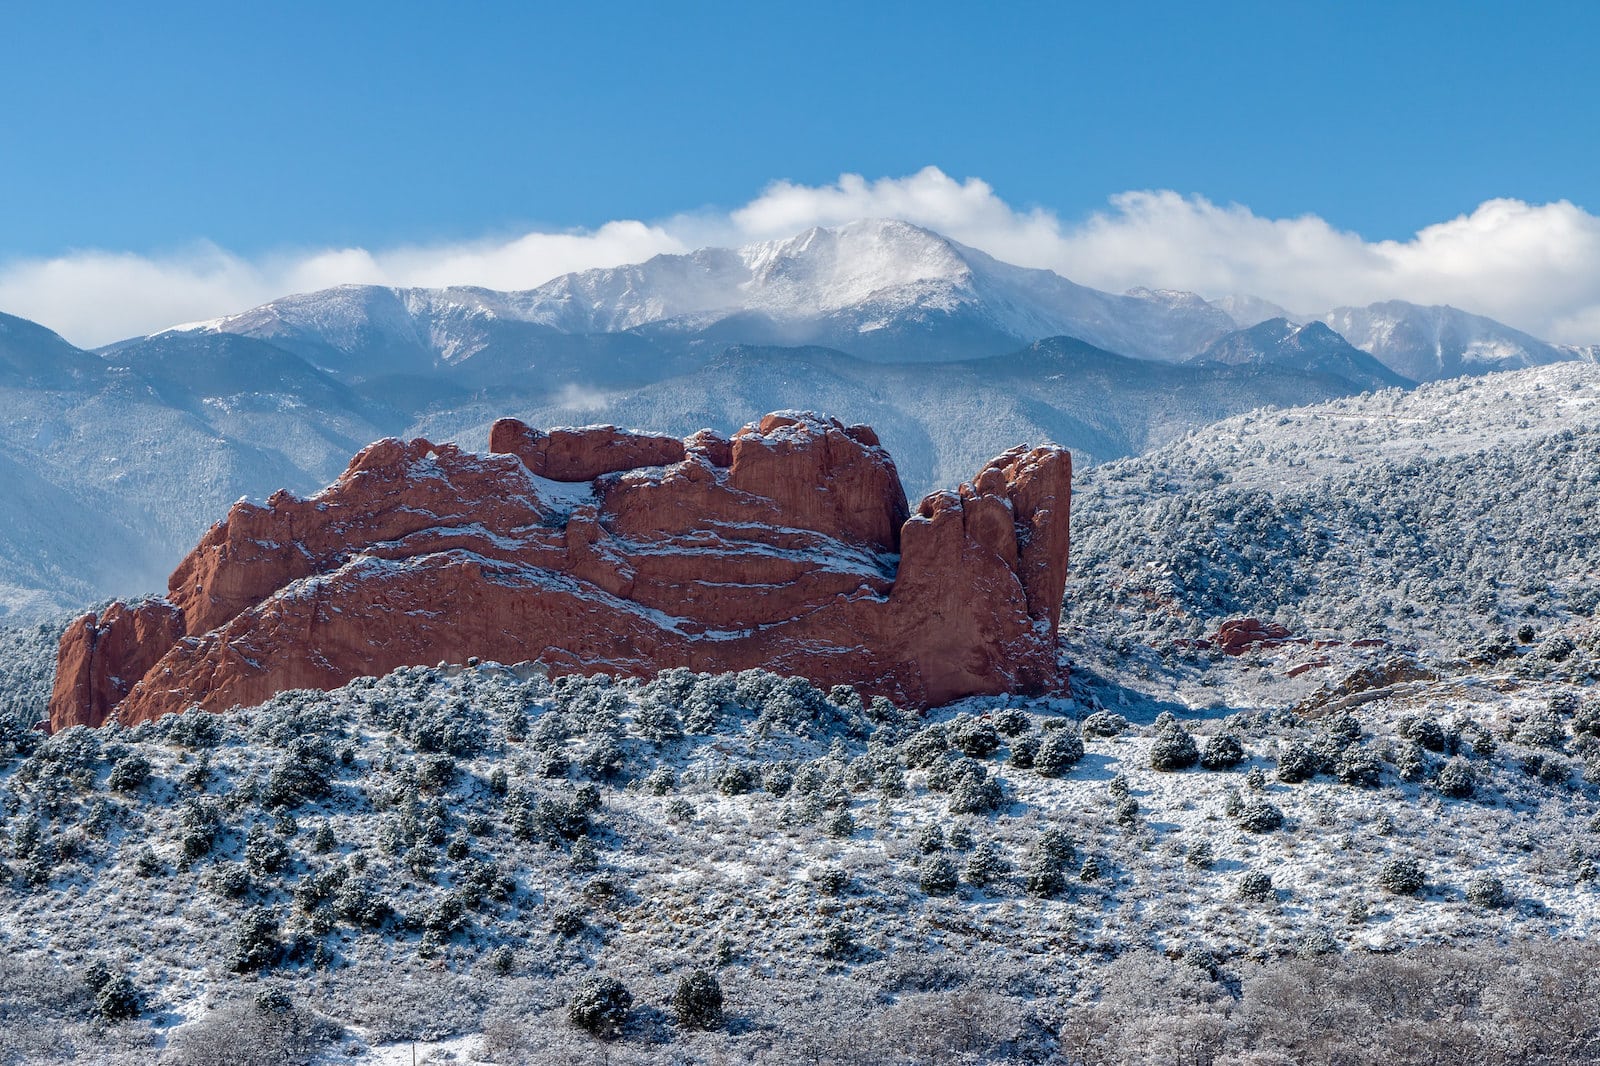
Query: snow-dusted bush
[[1358, 765], [1424, 731], [1259, 816], [1402, 876], [129, 773], [835, 941], [697, 1001], [1342, 729], [255, 943], [1456, 779], [738, 778], [1222, 751], [1012, 722], [1104, 724], [926, 747], [984, 864], [657, 721], [603, 759], [937, 875], [600, 1005], [973, 737], [976, 796], [1297, 762], [1254, 886], [1024, 749], [115, 997], [1543, 730], [1174, 748], [1058, 752], [1043, 877], [1057, 846], [1486, 890], [264, 851]]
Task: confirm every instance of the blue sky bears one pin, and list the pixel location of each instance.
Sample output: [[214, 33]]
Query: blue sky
[[143, 126], [155, 129]]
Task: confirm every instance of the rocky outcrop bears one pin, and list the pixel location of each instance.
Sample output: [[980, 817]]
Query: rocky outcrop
[[1240, 635], [789, 546], [101, 658]]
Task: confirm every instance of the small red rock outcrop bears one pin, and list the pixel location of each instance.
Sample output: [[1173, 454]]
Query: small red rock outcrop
[[1239, 635], [789, 546]]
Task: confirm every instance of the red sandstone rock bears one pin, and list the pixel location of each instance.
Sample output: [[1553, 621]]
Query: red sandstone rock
[[101, 658], [582, 454], [1238, 635], [789, 547]]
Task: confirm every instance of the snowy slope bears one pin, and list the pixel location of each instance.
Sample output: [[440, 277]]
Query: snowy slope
[[1446, 516], [108, 479], [445, 855], [34, 357]]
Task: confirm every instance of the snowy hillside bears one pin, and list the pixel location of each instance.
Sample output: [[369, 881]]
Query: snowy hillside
[[105, 482], [457, 855], [1444, 516], [1188, 856]]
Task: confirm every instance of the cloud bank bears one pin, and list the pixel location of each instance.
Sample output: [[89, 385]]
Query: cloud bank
[[1533, 266]]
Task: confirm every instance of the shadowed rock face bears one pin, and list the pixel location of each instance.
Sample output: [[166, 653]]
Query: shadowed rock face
[[788, 547]]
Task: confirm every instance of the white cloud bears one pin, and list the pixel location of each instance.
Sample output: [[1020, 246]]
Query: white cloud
[[1534, 266]]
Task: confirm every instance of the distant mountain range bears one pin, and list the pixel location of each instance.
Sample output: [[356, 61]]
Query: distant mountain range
[[113, 461]]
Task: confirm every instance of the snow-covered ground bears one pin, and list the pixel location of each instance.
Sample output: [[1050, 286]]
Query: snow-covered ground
[[468, 845]]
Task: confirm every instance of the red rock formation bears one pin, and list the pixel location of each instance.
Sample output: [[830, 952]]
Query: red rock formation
[[101, 658], [582, 454], [788, 547], [1239, 635]]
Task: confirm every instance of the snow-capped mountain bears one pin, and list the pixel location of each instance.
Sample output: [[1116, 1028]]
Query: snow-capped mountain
[[881, 290], [1433, 343], [878, 289], [1311, 347]]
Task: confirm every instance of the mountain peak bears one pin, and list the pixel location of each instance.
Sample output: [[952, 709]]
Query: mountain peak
[[1312, 347], [1428, 343]]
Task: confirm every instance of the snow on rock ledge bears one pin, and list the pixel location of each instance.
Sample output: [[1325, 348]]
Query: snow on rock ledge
[[788, 547]]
